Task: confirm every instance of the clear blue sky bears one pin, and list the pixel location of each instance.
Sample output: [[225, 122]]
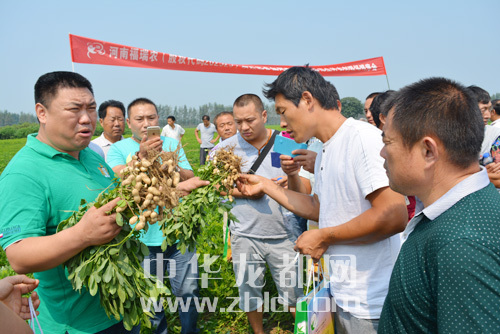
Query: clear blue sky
[[418, 39]]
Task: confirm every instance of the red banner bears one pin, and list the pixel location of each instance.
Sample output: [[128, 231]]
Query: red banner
[[92, 51]]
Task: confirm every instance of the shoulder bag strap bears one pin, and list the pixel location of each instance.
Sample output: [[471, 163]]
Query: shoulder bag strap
[[263, 154]]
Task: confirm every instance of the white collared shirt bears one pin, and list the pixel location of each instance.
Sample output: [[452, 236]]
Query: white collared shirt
[[496, 123], [104, 143], [177, 132], [471, 184]]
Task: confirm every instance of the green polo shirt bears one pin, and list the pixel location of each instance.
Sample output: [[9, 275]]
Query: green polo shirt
[[447, 276], [38, 189]]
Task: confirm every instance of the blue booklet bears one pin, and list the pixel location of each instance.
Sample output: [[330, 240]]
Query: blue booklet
[[285, 146]]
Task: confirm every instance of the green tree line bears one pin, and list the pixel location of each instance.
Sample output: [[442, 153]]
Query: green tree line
[[20, 125], [8, 118], [190, 117]]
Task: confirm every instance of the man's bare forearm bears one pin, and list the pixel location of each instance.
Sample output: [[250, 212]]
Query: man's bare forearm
[[303, 205], [36, 254], [296, 183]]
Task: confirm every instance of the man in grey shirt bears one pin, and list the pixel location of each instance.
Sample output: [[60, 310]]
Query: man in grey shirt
[[261, 236], [207, 140]]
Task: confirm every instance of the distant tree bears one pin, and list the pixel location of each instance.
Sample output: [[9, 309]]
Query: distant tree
[[7, 118], [352, 107], [27, 118], [272, 117], [164, 111], [495, 96]]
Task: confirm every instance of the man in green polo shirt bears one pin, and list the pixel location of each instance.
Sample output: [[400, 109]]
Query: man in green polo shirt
[[44, 181], [40, 187], [447, 276]]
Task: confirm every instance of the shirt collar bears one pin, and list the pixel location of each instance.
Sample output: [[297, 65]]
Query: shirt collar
[[471, 184], [494, 122], [105, 141], [43, 148]]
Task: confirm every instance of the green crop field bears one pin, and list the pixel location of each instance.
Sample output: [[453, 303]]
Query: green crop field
[[9, 148], [221, 284]]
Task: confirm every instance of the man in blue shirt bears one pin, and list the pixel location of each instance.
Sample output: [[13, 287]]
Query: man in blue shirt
[[182, 268]]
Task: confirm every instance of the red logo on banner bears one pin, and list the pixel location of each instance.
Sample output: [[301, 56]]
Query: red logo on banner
[[91, 51]]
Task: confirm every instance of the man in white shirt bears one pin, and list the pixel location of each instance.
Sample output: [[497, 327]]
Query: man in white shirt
[[205, 137], [112, 119], [359, 215], [173, 130]]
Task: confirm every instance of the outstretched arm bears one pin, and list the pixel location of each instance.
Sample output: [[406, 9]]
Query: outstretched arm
[[301, 204]]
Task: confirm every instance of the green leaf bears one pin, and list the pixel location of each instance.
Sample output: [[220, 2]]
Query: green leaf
[[117, 315], [130, 292], [122, 203], [127, 322], [144, 249], [78, 283], [182, 247], [121, 294], [122, 311], [119, 219], [108, 274], [101, 265], [92, 285], [119, 277], [125, 267], [112, 289], [113, 251]]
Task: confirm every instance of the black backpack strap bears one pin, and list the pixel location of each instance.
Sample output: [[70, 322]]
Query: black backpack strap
[[263, 154]]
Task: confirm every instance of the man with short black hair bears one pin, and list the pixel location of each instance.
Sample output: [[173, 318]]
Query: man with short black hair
[[224, 124], [446, 278], [376, 108], [112, 119], [206, 137], [368, 103], [484, 102], [42, 186], [173, 130], [261, 236], [182, 268], [359, 216]]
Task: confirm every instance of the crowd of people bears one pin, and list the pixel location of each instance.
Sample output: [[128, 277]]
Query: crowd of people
[[407, 197]]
